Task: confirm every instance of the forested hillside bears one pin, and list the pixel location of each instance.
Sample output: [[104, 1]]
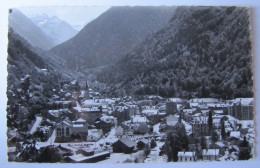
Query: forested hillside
[[33, 78], [202, 52], [113, 34]]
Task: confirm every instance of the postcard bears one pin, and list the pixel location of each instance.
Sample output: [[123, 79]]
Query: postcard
[[130, 84]]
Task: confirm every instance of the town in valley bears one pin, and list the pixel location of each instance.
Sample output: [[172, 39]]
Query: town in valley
[[131, 85], [86, 127]]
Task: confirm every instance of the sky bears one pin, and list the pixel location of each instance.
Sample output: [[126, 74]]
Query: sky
[[76, 16]]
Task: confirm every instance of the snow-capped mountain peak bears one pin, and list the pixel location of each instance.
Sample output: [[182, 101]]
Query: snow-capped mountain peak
[[55, 28]]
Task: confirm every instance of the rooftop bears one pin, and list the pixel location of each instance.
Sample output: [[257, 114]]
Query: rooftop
[[91, 109], [219, 111], [119, 131], [210, 152], [244, 101], [91, 102], [80, 157], [80, 120], [108, 119], [95, 132], [145, 141], [150, 111], [65, 122], [235, 134], [171, 120], [220, 144], [189, 154], [204, 100], [77, 125], [138, 119], [247, 123], [175, 99], [128, 142]]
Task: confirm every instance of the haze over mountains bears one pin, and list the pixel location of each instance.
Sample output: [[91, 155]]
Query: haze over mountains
[[58, 30], [203, 52], [41, 31], [28, 30], [184, 52], [112, 35]]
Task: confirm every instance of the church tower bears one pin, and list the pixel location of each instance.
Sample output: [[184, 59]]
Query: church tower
[[87, 90]]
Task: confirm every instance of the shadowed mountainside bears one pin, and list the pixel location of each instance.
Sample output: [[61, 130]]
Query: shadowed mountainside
[[112, 35], [202, 52]]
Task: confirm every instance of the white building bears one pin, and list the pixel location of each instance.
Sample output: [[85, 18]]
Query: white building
[[186, 156], [235, 134], [94, 135], [150, 112], [210, 154], [139, 119]]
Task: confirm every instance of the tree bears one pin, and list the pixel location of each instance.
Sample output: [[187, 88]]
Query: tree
[[100, 108], [171, 91], [203, 142], [223, 131], [151, 129], [164, 81], [204, 92], [86, 88], [147, 150], [40, 134], [244, 150], [197, 148], [162, 92], [153, 143], [25, 84], [214, 136], [176, 141], [49, 154], [171, 82], [31, 116], [210, 120], [140, 146], [129, 161]]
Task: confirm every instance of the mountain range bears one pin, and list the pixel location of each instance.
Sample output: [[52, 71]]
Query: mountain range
[[202, 52], [184, 52], [113, 34], [28, 30], [58, 30]]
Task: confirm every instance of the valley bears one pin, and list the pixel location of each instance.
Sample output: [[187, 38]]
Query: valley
[[135, 85]]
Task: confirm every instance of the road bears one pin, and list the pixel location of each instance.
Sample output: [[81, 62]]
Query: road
[[36, 124], [154, 157]]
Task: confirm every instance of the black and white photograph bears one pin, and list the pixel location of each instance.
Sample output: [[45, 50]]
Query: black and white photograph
[[130, 84]]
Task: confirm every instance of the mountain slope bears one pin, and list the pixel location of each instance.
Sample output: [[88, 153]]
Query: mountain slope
[[26, 61], [34, 77], [111, 35], [28, 30], [204, 51], [58, 30]]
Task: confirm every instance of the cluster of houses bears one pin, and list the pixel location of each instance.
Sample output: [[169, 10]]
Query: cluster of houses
[[124, 124], [130, 118], [236, 115]]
